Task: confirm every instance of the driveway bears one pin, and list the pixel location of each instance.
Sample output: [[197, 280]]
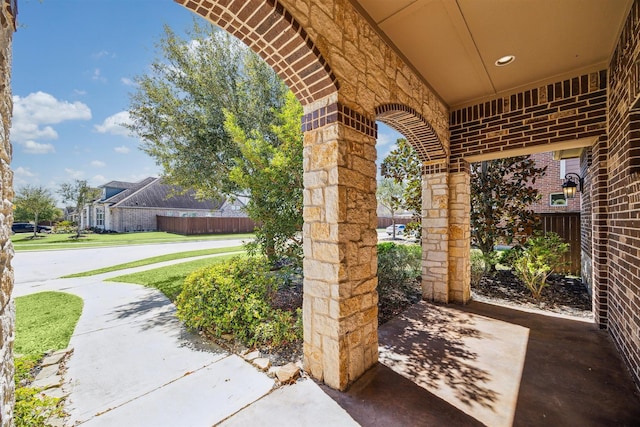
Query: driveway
[[32, 266]]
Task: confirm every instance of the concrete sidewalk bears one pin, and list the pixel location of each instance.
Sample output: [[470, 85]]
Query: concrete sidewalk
[[134, 364]]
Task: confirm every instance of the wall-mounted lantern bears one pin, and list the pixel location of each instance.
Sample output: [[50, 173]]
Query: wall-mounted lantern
[[572, 183]]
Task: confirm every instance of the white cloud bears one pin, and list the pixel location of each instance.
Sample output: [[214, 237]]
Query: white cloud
[[37, 109], [123, 149], [80, 92], [127, 81], [115, 124], [23, 172], [102, 54], [98, 164], [32, 147], [97, 75], [98, 180], [72, 173]]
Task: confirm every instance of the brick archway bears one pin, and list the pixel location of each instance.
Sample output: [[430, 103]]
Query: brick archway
[[340, 78], [415, 128], [275, 35]]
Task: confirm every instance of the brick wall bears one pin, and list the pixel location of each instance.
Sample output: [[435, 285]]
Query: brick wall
[[563, 111], [624, 194], [551, 184], [7, 310], [533, 121], [586, 233]]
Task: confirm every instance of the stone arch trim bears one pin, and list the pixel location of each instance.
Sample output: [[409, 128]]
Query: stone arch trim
[[274, 34], [419, 133]]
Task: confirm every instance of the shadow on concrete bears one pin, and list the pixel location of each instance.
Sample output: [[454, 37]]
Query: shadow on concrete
[[382, 397], [153, 310], [431, 346], [572, 373], [484, 364]]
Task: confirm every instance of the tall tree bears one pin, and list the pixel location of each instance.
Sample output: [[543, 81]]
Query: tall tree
[[270, 173], [404, 167], [36, 202], [219, 120], [390, 195], [178, 109], [501, 196], [79, 193]]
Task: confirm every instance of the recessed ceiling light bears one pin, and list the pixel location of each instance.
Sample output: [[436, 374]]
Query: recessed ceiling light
[[505, 60]]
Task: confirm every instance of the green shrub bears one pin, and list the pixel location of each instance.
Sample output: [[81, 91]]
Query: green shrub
[[31, 408], [398, 264], [233, 298], [508, 256], [543, 253], [478, 267]]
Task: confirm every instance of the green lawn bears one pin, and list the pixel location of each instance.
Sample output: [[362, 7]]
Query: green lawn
[[157, 259], [65, 241], [169, 279], [45, 321]]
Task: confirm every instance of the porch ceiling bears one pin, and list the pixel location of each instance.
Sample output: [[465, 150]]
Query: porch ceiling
[[454, 44]]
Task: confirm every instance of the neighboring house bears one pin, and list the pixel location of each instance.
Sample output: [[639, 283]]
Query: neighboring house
[[552, 198], [127, 206]]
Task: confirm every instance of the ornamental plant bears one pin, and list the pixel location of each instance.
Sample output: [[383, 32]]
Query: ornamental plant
[[234, 298], [542, 254]]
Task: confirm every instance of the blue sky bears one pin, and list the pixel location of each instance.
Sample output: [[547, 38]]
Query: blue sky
[[73, 67]]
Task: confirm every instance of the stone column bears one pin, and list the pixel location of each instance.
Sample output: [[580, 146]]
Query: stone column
[[340, 265], [7, 310], [459, 237], [435, 236]]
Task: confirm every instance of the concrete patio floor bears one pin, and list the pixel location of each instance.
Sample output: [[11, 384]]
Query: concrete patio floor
[[484, 364]]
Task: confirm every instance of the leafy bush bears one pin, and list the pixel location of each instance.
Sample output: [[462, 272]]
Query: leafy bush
[[509, 256], [543, 253], [31, 408], [65, 227], [398, 265], [478, 267], [233, 298]]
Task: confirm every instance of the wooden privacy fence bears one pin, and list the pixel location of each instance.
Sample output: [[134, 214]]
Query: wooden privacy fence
[[567, 226], [204, 225]]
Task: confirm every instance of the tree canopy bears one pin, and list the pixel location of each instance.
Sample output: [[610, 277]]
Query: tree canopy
[[501, 196], [178, 108], [79, 193], [35, 203], [405, 168], [218, 120], [271, 174]]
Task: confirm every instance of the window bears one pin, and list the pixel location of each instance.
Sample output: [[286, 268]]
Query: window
[[100, 217], [557, 199]]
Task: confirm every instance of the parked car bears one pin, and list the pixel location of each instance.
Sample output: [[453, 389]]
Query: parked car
[[399, 229], [25, 227]]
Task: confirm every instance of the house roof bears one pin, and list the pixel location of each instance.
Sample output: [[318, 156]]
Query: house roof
[[129, 188], [153, 193], [118, 184]]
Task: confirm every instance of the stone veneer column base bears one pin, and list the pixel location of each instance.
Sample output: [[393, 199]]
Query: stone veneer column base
[[435, 237], [340, 306], [459, 237]]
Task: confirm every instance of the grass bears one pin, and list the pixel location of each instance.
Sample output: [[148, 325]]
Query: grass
[[45, 321], [169, 279], [22, 242], [157, 259]]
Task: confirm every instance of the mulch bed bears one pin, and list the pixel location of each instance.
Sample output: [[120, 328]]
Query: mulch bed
[[564, 295]]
